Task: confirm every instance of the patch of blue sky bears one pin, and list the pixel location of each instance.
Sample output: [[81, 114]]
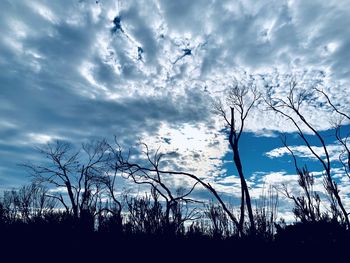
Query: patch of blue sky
[[253, 151]]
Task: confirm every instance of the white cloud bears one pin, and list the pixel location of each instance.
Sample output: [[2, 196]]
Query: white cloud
[[198, 149], [304, 152], [64, 72], [40, 138]]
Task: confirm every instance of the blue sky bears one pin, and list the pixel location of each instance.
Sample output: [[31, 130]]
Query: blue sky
[[254, 149], [69, 70]]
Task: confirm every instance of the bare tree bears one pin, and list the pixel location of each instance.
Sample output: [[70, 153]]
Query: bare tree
[[26, 203], [307, 207], [154, 178], [152, 175], [344, 156], [146, 214], [241, 98], [79, 173], [341, 113], [42, 203], [290, 108], [10, 206]]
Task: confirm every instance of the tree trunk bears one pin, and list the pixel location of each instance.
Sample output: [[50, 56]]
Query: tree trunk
[[71, 197], [246, 196]]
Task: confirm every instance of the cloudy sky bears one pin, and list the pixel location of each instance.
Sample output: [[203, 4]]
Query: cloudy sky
[[82, 69]]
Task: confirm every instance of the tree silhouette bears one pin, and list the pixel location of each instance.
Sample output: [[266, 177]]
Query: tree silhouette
[[241, 98], [307, 206], [344, 156], [290, 108], [79, 173], [74, 200], [140, 174], [153, 177]]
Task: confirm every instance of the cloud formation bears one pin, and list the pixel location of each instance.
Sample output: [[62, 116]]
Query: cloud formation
[[76, 70], [304, 152]]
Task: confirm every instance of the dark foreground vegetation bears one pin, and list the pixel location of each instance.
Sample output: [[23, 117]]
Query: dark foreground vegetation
[[59, 236], [74, 207]]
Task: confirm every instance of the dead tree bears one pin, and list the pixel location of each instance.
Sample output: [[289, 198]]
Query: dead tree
[[341, 113], [290, 108], [241, 98], [109, 180], [26, 203], [344, 156], [152, 175], [307, 206], [77, 172], [33, 201]]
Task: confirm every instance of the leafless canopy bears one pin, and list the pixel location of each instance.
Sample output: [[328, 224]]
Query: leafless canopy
[[79, 173], [290, 108], [240, 98], [151, 174]]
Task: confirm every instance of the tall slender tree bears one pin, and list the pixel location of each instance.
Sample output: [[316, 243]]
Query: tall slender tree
[[241, 98], [290, 107]]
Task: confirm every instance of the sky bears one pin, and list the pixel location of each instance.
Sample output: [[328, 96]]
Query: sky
[[150, 70]]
